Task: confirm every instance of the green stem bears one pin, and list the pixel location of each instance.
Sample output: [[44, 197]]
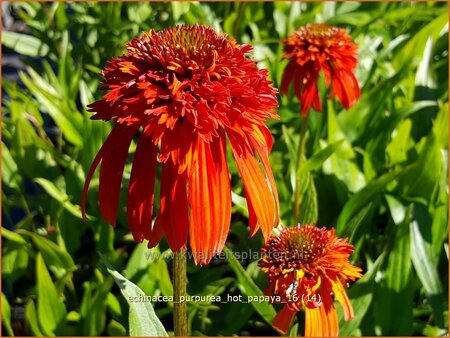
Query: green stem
[[241, 8], [179, 292], [300, 154]]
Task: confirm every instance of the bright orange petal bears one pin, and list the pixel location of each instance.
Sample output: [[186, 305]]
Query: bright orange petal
[[257, 192], [322, 321], [210, 200], [342, 298], [141, 189], [263, 149]]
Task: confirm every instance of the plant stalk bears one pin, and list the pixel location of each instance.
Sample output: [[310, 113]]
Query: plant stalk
[[179, 292], [300, 155]]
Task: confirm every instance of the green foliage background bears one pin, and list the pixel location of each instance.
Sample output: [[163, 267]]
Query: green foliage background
[[377, 172]]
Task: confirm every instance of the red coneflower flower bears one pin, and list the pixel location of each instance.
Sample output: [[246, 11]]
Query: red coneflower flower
[[316, 47], [307, 266], [185, 90]]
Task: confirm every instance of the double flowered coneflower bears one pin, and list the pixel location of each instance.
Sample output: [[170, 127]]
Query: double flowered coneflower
[[315, 48], [308, 266], [185, 91]]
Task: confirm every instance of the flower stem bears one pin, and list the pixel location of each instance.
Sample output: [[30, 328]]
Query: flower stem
[[179, 292], [238, 18], [300, 154]]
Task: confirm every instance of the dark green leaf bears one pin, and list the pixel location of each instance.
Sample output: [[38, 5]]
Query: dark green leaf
[[249, 288]]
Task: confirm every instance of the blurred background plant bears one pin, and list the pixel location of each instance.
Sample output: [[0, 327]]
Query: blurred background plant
[[377, 172]]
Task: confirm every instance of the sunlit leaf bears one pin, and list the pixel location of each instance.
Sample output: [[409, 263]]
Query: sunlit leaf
[[142, 317], [51, 311]]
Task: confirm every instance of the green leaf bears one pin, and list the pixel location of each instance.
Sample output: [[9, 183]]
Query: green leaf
[[115, 329], [6, 315], [142, 317], [148, 270], [58, 260], [427, 273], [396, 287], [24, 44], [10, 171], [15, 255], [317, 160], [67, 119], [31, 317], [340, 163], [412, 51], [308, 200], [359, 200], [50, 308], [356, 227], [397, 209], [59, 196], [93, 306], [354, 18], [249, 288], [13, 236], [400, 144], [361, 296]]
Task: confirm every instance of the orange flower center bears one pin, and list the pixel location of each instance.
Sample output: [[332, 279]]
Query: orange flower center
[[319, 29], [307, 246]]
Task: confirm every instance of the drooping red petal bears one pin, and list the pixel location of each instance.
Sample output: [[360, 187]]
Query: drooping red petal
[[283, 319], [109, 140], [210, 200], [346, 87], [156, 233], [310, 95], [288, 75], [173, 208], [257, 191], [111, 170], [141, 188]]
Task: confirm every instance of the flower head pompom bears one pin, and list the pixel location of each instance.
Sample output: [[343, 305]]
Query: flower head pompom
[[308, 266], [186, 90], [317, 47]]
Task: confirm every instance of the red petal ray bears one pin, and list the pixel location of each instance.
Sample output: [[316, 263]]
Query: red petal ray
[[310, 94], [94, 165], [141, 188], [173, 209], [210, 200], [283, 319], [346, 87], [111, 171], [288, 75], [156, 234], [263, 152], [257, 191]]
